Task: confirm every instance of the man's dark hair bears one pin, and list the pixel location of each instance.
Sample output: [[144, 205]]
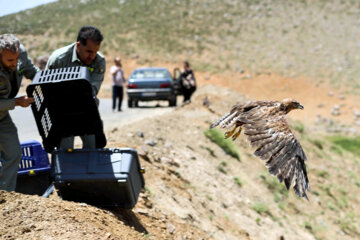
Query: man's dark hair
[[89, 32], [187, 64]]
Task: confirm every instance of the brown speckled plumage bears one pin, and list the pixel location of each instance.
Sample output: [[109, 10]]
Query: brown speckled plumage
[[264, 123]]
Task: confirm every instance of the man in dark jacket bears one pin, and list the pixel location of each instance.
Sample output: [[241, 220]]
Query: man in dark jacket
[[188, 82], [84, 52], [14, 64]]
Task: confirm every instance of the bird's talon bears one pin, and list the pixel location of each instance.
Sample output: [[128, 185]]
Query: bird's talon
[[230, 133]]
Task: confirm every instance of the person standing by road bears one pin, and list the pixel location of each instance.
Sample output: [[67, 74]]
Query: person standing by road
[[188, 82], [119, 80], [14, 64], [83, 52]]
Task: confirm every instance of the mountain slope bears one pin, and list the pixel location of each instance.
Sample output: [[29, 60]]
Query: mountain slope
[[312, 38]]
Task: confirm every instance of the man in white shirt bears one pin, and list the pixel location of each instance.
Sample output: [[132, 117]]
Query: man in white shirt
[[118, 77]]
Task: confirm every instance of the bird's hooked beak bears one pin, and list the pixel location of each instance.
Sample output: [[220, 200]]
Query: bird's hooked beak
[[300, 106]]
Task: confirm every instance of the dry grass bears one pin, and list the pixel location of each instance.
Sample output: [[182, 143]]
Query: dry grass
[[294, 38]]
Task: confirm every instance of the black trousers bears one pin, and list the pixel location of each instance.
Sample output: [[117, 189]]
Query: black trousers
[[187, 93], [117, 93]]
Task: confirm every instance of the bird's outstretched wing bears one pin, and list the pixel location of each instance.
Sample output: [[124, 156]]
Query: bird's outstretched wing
[[268, 131]]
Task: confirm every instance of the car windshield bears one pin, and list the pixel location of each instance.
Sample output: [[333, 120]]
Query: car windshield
[[151, 74]]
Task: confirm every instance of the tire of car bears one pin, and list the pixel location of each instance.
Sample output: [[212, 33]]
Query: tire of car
[[172, 102], [130, 103]]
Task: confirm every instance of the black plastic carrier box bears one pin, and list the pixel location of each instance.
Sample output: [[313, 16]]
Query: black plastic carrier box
[[65, 106], [103, 177]]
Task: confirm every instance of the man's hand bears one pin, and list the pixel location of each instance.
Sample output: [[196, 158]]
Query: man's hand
[[23, 101], [116, 71]]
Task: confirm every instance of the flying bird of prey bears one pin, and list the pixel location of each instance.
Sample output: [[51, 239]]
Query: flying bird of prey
[[264, 123]]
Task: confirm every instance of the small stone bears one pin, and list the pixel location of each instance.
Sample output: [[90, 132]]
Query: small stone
[[165, 159], [356, 113], [142, 211], [168, 145], [144, 149], [170, 161], [335, 113], [140, 134], [171, 228], [130, 135], [143, 152], [151, 143], [147, 202], [330, 94], [161, 139]]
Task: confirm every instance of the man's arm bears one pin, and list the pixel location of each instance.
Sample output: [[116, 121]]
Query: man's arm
[[50, 63], [98, 76], [5, 103], [123, 76], [193, 75], [27, 66], [23, 101], [114, 70], [10, 103]]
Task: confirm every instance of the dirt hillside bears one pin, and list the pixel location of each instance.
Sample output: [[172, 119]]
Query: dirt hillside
[[194, 190], [240, 50]]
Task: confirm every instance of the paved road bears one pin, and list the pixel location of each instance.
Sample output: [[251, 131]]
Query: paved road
[[27, 128]]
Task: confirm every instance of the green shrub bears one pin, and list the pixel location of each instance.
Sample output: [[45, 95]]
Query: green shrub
[[322, 174], [227, 145], [221, 169], [347, 143], [261, 208], [238, 181], [317, 143], [299, 126], [273, 184], [308, 226], [331, 206]]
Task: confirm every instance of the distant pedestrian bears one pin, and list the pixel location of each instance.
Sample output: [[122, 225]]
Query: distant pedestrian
[[119, 80], [188, 82], [41, 61]]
